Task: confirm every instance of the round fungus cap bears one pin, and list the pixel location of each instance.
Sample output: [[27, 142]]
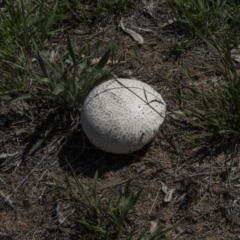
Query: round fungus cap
[[122, 115]]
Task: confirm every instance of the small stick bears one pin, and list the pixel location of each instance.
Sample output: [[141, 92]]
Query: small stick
[[6, 155], [7, 200]]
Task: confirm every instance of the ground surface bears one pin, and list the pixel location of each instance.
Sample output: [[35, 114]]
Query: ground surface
[[205, 201]]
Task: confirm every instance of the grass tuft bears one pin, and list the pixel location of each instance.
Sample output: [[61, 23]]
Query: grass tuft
[[221, 18], [23, 24], [216, 109], [107, 218], [88, 13], [62, 87]]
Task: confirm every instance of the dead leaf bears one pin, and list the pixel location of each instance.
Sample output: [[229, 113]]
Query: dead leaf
[[96, 60], [235, 54], [154, 222], [168, 197], [168, 193], [169, 22], [164, 188], [153, 226], [147, 30], [137, 37]]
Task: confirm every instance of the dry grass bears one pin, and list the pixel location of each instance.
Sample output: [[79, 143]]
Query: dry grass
[[35, 202]]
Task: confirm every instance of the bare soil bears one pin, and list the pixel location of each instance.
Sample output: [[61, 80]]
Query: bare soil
[[205, 203]]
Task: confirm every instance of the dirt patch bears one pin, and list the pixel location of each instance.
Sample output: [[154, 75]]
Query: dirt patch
[[205, 203]]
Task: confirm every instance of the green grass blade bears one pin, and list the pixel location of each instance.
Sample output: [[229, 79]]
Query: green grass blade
[[42, 64], [91, 49], [51, 17], [10, 97], [94, 184], [36, 145], [158, 234], [103, 61], [70, 49], [59, 88]]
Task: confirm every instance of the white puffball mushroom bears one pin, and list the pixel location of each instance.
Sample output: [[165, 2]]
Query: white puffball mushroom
[[122, 115]]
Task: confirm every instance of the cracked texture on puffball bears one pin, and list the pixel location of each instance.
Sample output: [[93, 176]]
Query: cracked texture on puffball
[[119, 121]]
